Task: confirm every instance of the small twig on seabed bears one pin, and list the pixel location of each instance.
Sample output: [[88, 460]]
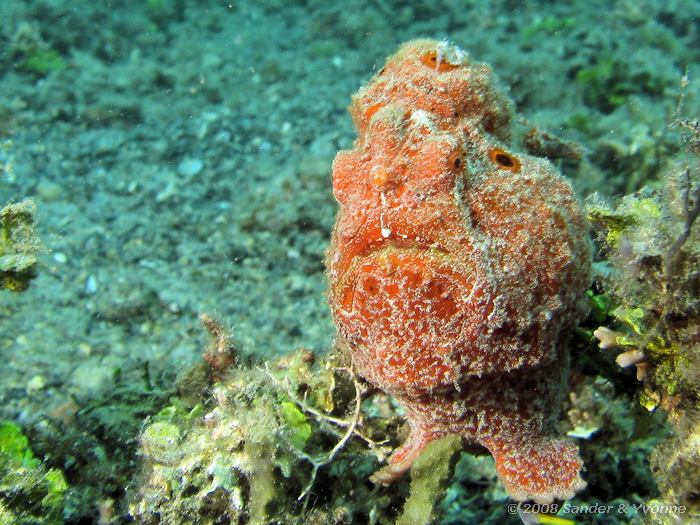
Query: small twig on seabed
[[350, 424], [355, 416], [325, 417], [339, 446], [221, 352]]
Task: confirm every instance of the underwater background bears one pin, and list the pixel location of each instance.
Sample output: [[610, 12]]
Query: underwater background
[[179, 153]]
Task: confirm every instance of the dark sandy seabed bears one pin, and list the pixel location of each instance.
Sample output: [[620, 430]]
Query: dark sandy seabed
[[179, 154]]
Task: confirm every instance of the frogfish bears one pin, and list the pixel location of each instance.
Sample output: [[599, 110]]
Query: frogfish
[[458, 268]]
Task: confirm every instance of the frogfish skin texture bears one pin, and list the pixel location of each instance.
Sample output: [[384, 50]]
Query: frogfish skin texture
[[458, 265]]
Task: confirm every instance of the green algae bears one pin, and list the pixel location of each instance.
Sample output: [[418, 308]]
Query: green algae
[[300, 429], [44, 61], [632, 210], [610, 82], [159, 438], [30, 493], [652, 280], [15, 445], [600, 305]]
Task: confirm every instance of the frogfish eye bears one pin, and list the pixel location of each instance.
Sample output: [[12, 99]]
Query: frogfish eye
[[504, 160]]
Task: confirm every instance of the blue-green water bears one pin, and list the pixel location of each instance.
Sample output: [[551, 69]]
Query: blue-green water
[[179, 155]]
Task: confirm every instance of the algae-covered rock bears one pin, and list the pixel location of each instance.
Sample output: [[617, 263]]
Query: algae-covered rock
[[19, 247], [651, 276], [159, 438], [29, 492], [676, 467], [286, 442]]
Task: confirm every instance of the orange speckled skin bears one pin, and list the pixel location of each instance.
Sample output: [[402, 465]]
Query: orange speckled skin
[[457, 267]]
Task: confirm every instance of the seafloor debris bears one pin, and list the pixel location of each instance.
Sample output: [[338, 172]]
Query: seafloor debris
[[19, 247]]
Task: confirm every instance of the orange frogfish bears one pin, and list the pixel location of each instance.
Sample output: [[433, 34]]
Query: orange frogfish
[[458, 268]]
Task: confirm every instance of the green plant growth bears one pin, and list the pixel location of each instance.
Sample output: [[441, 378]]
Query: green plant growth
[[43, 61], [19, 247], [549, 25], [96, 446], [29, 492], [297, 424], [609, 82]]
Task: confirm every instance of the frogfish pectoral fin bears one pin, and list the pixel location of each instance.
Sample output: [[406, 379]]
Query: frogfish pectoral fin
[[541, 469]]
